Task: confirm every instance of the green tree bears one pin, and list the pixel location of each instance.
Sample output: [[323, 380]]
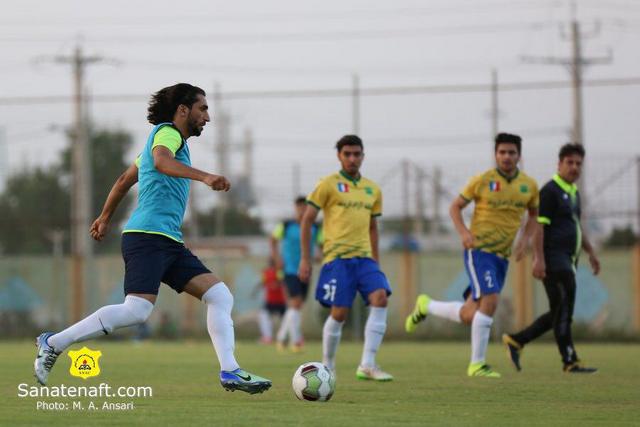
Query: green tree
[[33, 204], [107, 151], [621, 238], [37, 201], [237, 222]]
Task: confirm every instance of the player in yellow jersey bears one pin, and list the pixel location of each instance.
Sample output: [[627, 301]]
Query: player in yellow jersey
[[351, 204], [501, 196]]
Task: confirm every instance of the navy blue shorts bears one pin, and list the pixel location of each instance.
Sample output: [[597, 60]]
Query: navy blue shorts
[[295, 286], [278, 309], [486, 271], [151, 258], [341, 279]]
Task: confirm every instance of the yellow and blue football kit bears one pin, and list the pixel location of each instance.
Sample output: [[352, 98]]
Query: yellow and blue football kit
[[500, 202], [348, 266]]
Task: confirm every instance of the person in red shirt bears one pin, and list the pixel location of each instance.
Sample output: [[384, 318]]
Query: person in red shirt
[[275, 301]]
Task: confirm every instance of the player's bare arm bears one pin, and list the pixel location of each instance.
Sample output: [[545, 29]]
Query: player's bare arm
[[455, 212], [588, 248], [539, 265], [165, 163], [309, 217], [529, 228], [120, 189], [274, 247], [373, 234]]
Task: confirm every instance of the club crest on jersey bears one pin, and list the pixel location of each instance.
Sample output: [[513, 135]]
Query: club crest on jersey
[[343, 188], [494, 186], [84, 363]]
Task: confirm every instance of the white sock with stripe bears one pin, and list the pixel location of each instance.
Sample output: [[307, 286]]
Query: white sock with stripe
[[446, 309], [295, 334], [373, 333], [265, 324], [220, 325], [284, 329], [331, 333], [480, 332], [133, 311]]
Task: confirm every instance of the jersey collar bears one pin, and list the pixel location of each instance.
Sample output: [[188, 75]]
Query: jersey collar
[[570, 189], [353, 180], [508, 178]]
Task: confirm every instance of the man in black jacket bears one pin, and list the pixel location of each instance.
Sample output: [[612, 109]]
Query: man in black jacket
[[557, 244]]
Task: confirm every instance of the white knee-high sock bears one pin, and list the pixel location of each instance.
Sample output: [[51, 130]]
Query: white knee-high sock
[[265, 325], [295, 333], [219, 324], [480, 331], [331, 333], [281, 337], [446, 309], [132, 311], [373, 334]]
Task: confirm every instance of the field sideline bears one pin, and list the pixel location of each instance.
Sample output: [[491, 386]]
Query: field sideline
[[430, 388]]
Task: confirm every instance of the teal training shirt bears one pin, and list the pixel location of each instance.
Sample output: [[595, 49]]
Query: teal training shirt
[[162, 199]]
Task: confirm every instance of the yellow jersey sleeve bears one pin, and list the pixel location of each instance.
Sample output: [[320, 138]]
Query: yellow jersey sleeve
[[278, 232], [535, 196], [376, 210], [319, 196], [320, 236], [167, 137], [138, 160], [470, 191]]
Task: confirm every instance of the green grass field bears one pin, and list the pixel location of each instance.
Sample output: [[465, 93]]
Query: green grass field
[[431, 387]]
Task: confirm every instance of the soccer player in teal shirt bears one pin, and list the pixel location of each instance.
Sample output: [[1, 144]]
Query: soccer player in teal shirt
[[152, 245], [285, 249]]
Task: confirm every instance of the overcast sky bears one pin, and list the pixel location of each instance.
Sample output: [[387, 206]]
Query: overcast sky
[[281, 45]]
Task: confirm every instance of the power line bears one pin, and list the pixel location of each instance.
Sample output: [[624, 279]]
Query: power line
[[295, 37], [338, 93], [319, 16]]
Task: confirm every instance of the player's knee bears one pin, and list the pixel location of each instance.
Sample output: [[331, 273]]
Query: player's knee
[[339, 315], [378, 299], [219, 295], [296, 302], [466, 315], [139, 308]]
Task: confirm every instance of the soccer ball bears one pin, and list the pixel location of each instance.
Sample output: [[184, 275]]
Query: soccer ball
[[314, 381]]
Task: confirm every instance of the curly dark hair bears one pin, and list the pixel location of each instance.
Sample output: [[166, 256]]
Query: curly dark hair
[[349, 140], [507, 138], [165, 102], [570, 149]]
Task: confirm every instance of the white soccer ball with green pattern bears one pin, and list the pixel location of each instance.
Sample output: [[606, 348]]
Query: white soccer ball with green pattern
[[313, 381]]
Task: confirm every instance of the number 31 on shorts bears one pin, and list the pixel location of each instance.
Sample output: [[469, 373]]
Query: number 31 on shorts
[[330, 290]]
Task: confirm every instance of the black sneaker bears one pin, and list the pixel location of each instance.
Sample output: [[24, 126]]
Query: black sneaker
[[577, 368], [514, 349]]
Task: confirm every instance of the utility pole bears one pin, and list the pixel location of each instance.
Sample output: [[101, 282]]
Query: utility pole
[[222, 151], [635, 263], [437, 196], [356, 315], [295, 177], [408, 257], [81, 183], [355, 104], [638, 197], [418, 228], [247, 147], [575, 64], [495, 111], [4, 158]]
